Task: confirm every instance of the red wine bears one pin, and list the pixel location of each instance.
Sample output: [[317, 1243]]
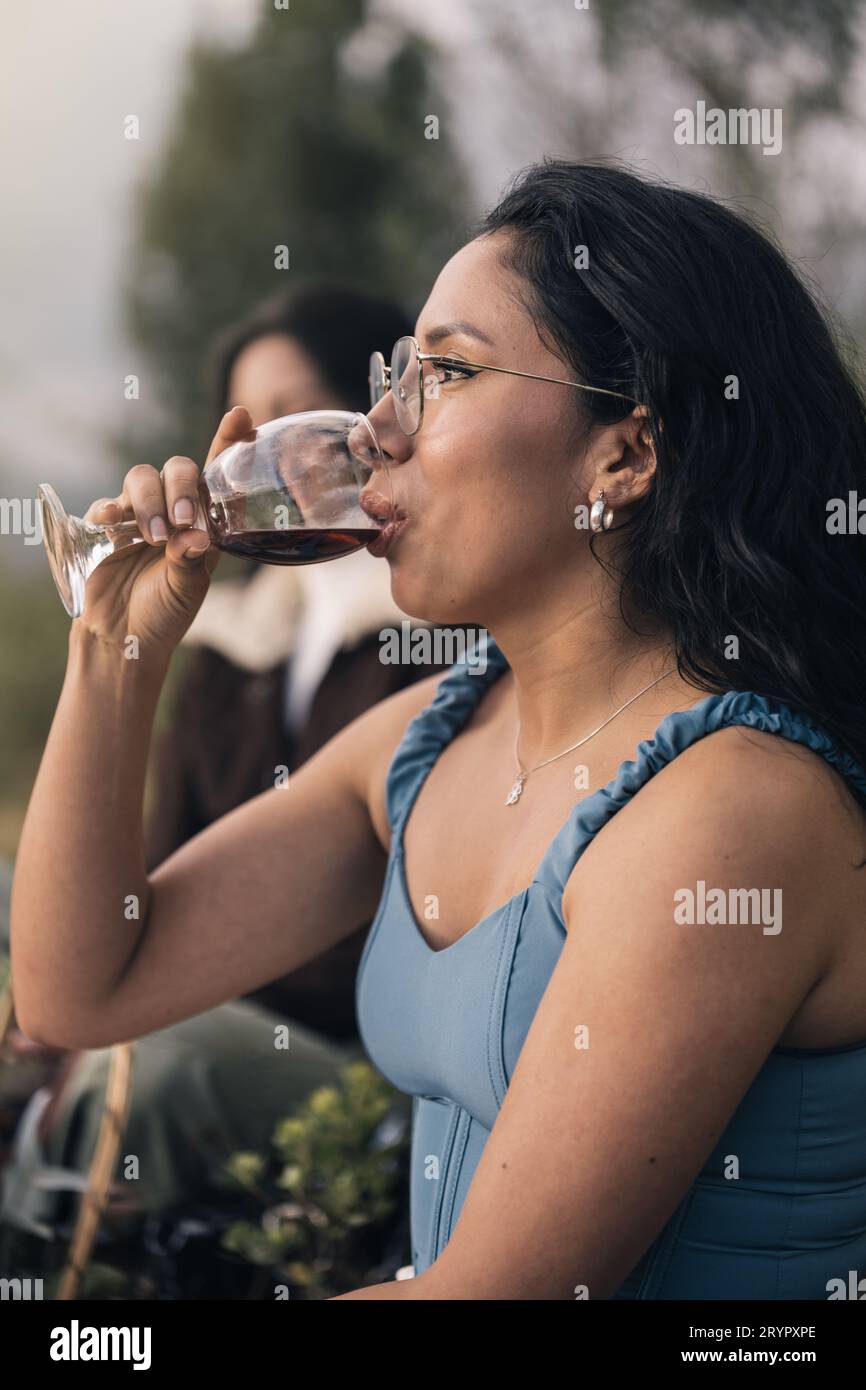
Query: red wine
[[298, 546]]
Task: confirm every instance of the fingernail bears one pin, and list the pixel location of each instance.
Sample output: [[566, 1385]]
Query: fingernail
[[158, 528], [183, 511], [194, 552]]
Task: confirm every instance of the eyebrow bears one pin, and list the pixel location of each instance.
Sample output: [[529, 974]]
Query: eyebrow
[[448, 330]]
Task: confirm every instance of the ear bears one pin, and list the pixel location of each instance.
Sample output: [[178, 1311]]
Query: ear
[[625, 460]]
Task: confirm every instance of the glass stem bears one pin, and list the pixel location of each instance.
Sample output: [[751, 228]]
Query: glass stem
[[120, 533]]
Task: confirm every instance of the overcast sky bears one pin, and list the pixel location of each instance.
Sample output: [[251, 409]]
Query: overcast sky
[[69, 74]]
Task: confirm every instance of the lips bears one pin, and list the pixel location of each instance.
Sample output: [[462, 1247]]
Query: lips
[[377, 506], [385, 514], [391, 517], [386, 537]]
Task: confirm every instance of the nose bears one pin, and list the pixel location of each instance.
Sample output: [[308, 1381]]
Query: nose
[[395, 445]]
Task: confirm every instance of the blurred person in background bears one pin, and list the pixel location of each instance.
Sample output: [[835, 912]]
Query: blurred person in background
[[280, 660]]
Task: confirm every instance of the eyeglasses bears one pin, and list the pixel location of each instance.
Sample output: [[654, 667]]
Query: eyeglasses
[[405, 379]]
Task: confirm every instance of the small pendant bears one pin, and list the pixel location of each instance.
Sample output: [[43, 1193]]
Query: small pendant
[[515, 791]]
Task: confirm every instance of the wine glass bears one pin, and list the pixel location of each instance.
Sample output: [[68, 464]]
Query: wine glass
[[310, 487]]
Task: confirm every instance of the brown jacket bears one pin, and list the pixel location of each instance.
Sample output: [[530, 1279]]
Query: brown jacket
[[226, 737]]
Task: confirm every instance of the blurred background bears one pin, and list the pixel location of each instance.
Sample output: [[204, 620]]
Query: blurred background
[[167, 164], [155, 153]]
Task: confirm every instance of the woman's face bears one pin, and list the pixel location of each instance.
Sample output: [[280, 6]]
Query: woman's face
[[490, 480], [274, 376]]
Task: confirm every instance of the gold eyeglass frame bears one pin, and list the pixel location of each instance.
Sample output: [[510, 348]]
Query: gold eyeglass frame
[[379, 366]]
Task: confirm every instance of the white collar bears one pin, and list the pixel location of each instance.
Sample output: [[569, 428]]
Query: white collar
[[258, 623]]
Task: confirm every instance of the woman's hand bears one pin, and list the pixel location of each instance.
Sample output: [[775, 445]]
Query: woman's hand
[[154, 590]]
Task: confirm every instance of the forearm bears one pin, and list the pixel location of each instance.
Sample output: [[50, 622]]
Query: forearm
[[403, 1289], [80, 890]]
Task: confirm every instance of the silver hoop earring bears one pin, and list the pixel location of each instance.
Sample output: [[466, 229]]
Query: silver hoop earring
[[600, 516]]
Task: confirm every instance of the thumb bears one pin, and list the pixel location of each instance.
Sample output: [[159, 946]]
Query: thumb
[[190, 561]]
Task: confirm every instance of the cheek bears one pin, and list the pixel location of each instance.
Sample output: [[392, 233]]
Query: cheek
[[526, 476], [468, 500], [490, 485]]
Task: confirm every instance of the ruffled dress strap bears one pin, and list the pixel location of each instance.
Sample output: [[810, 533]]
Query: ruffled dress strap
[[677, 732], [457, 694]]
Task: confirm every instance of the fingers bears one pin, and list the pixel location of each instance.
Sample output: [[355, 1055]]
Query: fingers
[[180, 478], [142, 490], [160, 501], [235, 425], [104, 510]]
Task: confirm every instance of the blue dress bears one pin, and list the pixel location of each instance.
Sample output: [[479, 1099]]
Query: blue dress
[[447, 1026]]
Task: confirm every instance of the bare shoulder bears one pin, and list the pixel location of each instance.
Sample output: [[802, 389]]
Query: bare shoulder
[[376, 735], [742, 806], [777, 783]]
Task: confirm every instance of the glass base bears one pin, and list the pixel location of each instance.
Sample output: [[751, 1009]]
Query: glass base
[[61, 535]]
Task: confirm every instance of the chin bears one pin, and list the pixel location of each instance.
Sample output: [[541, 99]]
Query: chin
[[426, 600]]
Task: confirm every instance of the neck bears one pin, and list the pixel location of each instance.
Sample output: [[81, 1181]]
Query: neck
[[572, 672]]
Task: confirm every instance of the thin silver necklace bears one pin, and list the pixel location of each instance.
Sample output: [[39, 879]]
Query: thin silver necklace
[[514, 794]]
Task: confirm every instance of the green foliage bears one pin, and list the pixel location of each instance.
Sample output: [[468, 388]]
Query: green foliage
[[322, 1213], [335, 1176], [313, 137]]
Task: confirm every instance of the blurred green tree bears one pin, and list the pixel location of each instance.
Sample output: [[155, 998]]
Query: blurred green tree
[[314, 136]]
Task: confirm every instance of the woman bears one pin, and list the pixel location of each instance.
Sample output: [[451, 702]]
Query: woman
[[610, 1100]]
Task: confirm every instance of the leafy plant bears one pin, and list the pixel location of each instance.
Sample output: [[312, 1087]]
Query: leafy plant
[[330, 1191]]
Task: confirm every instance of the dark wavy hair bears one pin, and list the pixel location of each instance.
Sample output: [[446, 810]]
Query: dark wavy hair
[[679, 295], [337, 325]]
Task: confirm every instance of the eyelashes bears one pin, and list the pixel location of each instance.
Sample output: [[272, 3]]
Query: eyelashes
[[454, 370]]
